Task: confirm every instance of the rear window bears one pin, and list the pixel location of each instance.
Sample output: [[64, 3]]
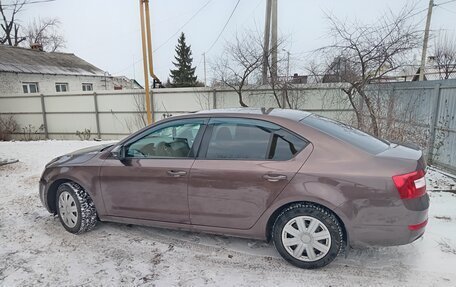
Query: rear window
[[347, 134]]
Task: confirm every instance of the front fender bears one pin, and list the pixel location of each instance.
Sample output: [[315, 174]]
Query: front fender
[[86, 176]]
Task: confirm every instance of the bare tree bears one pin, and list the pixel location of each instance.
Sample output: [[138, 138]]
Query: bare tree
[[282, 83], [238, 64], [315, 71], [46, 33], [445, 56], [371, 51], [10, 32]]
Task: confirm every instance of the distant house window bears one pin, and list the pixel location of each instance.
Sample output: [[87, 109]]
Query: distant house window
[[86, 87], [117, 87], [30, 88], [61, 87]]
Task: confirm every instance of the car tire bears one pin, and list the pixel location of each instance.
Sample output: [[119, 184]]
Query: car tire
[[308, 236], [75, 208]]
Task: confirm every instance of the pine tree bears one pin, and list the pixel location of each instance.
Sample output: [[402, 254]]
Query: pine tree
[[184, 74]]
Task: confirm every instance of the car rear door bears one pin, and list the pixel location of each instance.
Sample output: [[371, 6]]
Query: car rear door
[[242, 166], [151, 182]]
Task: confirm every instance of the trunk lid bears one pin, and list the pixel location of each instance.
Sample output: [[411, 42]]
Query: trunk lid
[[406, 154]]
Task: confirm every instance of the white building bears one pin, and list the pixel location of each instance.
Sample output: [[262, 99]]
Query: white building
[[33, 71]]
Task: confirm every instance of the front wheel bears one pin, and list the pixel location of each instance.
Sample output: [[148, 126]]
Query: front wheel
[[75, 208], [307, 236]]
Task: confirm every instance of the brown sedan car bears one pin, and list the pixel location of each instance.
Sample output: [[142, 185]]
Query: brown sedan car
[[310, 184]]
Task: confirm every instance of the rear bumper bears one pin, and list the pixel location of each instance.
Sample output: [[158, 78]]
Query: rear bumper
[[400, 224], [384, 236]]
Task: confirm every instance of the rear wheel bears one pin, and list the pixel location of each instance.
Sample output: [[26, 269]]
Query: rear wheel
[[75, 208], [307, 236]]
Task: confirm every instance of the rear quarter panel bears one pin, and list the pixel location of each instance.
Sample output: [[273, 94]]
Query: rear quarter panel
[[355, 185]]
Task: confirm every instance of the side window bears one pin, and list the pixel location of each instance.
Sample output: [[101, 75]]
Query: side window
[[86, 87], [30, 88], [251, 140], [285, 145], [61, 87], [172, 141], [238, 141]]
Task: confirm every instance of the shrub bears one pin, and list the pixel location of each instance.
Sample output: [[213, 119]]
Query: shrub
[[84, 135], [8, 126]]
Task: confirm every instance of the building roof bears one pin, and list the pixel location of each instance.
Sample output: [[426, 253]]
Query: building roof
[[22, 60]]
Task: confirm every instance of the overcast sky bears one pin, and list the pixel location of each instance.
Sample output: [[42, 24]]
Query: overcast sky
[[106, 33]]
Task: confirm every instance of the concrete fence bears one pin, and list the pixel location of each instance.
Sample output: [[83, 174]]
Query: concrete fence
[[115, 114]]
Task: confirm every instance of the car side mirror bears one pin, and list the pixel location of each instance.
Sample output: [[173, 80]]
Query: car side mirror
[[119, 152]]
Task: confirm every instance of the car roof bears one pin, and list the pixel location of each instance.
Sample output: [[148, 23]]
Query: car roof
[[295, 115]]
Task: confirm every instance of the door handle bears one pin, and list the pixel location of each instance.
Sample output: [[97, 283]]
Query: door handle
[[176, 173], [274, 177]]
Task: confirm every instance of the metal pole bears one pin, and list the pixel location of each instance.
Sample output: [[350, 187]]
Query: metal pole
[[146, 72], [149, 41], [274, 39], [434, 121], [267, 32], [288, 64], [43, 111], [204, 59], [97, 114], [288, 78], [426, 39]]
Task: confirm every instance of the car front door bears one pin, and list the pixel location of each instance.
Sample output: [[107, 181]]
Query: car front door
[[151, 181], [243, 165]]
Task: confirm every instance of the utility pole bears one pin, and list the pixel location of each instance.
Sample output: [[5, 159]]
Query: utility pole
[[146, 38], [267, 32], [274, 40], [426, 39], [288, 64], [204, 63]]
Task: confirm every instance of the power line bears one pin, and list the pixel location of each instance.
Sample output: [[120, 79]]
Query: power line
[[419, 12], [185, 24], [28, 3], [446, 9], [253, 11], [128, 67], [224, 27], [171, 37], [445, 3]]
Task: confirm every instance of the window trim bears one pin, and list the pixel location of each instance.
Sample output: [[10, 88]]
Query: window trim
[[195, 147], [210, 128], [62, 84], [89, 84], [27, 84]]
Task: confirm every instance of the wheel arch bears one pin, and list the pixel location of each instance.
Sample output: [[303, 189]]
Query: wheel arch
[[279, 210], [52, 192]]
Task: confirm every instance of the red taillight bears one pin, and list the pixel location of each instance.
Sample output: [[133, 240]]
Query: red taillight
[[418, 226], [410, 185]]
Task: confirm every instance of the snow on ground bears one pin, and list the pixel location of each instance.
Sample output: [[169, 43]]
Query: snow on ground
[[36, 250]]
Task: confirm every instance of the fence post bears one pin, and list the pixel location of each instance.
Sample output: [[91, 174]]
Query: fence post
[[43, 112], [284, 98], [97, 114], [434, 120], [152, 105], [214, 99]]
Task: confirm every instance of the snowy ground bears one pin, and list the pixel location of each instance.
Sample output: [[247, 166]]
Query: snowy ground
[[36, 250]]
